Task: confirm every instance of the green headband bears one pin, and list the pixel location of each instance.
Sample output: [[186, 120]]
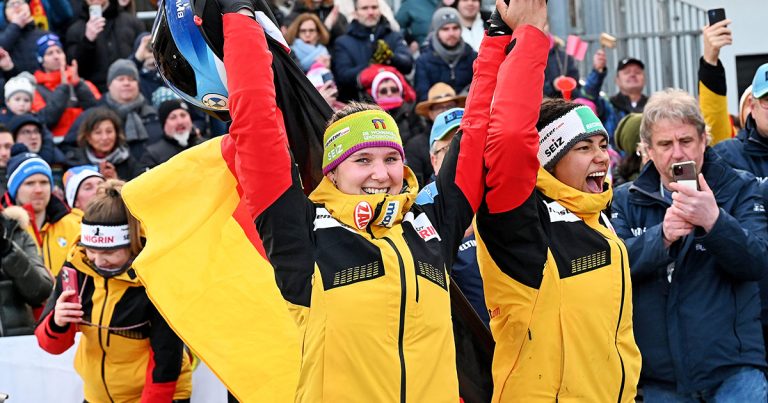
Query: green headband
[[370, 128]]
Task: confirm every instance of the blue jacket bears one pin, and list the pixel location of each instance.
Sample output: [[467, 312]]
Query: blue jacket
[[609, 110], [415, 18], [352, 53], [703, 326], [431, 69]]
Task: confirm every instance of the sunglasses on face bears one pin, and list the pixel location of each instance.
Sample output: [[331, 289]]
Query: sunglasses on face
[[388, 91]]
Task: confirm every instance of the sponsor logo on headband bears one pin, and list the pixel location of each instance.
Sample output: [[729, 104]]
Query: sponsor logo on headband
[[377, 123], [336, 136]]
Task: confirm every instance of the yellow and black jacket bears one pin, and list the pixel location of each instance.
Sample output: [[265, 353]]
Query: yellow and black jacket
[[364, 275], [555, 277], [144, 363], [714, 102]]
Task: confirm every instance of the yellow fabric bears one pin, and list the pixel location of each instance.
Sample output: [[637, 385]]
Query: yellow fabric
[[557, 342], [126, 359], [58, 239], [714, 107], [208, 280], [351, 339]]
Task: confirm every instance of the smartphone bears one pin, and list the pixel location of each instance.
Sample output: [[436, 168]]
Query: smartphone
[[69, 282], [685, 174], [94, 11], [327, 77], [715, 15]]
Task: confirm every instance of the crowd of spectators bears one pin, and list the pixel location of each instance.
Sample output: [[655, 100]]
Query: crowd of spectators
[[81, 89]]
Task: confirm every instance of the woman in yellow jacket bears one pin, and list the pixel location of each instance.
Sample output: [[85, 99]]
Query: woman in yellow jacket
[[127, 352], [556, 277]]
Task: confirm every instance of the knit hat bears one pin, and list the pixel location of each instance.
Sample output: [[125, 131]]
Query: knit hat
[[558, 137], [74, 177], [45, 42], [22, 165], [167, 107], [444, 16], [627, 133], [163, 94], [20, 83], [122, 67], [20, 121], [370, 128]]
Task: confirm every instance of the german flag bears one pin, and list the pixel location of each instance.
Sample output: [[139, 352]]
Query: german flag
[[204, 268]]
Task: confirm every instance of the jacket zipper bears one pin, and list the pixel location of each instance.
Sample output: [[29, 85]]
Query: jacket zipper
[[618, 323], [402, 319], [101, 342]]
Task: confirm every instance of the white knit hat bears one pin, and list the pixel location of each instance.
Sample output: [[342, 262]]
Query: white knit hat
[[20, 83]]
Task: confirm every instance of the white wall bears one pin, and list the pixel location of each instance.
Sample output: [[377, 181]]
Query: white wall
[[750, 36]]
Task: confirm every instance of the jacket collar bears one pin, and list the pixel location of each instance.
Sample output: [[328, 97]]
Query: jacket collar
[[367, 212], [754, 143], [580, 203], [622, 102], [359, 30], [716, 172]]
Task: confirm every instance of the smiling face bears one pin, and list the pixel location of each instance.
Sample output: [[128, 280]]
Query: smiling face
[[178, 122], [109, 259], [585, 165], [103, 137], [371, 170], [673, 142]]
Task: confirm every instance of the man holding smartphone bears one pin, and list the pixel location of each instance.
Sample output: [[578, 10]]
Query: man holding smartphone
[[696, 256]]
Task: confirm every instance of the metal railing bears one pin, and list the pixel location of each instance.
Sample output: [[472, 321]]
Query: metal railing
[[664, 34]]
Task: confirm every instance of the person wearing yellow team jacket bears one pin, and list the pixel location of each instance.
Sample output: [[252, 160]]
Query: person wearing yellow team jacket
[[51, 226], [712, 87], [555, 275], [127, 351]]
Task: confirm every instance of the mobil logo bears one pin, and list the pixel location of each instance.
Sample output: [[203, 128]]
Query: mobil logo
[[363, 214]]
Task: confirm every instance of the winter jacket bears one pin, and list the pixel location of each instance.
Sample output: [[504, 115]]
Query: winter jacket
[[54, 104], [365, 276], [114, 42], [25, 283], [352, 53], [56, 236], [133, 355], [609, 110], [703, 326], [714, 102], [555, 60], [556, 278], [431, 69], [415, 19], [164, 150], [127, 168], [21, 43]]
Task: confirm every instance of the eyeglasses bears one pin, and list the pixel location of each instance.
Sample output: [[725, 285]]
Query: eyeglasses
[[308, 31], [29, 132], [388, 91]]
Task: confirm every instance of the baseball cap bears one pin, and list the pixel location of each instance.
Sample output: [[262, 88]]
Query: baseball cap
[[627, 61], [444, 123], [760, 82]]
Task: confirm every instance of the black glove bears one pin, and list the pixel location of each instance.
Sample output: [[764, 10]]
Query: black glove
[[5, 237], [497, 26]]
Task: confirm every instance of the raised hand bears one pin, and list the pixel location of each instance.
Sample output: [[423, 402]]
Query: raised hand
[[516, 13], [94, 27], [715, 38]]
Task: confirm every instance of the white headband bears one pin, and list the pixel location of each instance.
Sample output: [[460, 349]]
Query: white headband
[[559, 136], [100, 236]]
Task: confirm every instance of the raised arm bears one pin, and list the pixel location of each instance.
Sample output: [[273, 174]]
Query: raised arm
[[513, 141]]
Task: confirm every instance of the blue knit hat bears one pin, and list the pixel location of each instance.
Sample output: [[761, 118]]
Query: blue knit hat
[[45, 42], [22, 165]]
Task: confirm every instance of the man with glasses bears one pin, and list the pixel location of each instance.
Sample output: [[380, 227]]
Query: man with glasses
[[28, 130]]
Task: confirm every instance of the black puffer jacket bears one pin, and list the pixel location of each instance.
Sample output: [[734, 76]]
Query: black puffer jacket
[[114, 42], [24, 281]]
